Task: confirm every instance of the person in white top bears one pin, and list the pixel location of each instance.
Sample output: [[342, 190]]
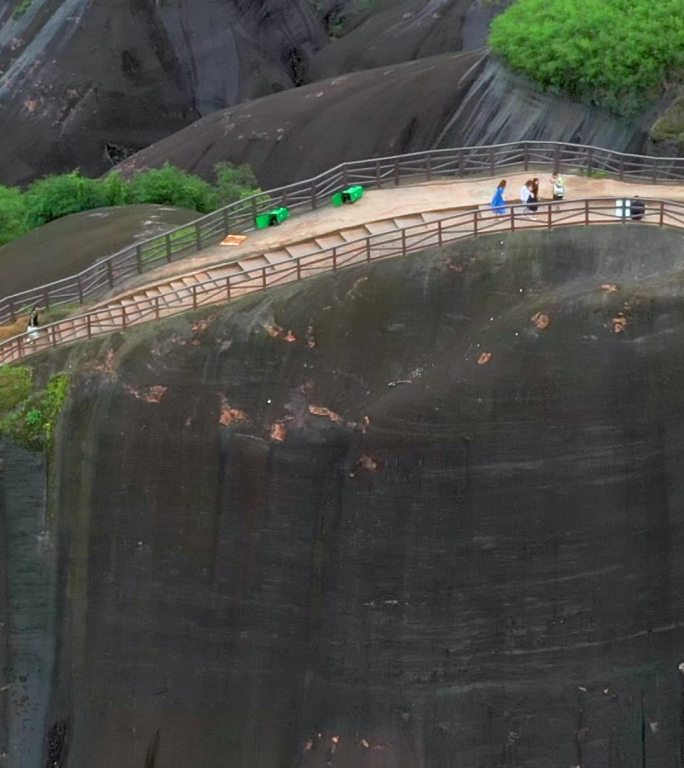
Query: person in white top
[[525, 194]]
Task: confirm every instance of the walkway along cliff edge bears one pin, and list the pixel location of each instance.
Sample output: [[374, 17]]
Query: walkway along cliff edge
[[398, 242], [312, 194]]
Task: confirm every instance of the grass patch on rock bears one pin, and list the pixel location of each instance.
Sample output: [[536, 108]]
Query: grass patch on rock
[[27, 416]]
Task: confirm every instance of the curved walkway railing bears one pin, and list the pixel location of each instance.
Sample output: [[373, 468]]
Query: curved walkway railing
[[397, 242], [314, 193]]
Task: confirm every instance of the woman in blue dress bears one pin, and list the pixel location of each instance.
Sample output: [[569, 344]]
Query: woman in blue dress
[[498, 202]]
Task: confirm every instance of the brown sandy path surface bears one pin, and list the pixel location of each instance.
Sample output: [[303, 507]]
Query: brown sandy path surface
[[380, 204]]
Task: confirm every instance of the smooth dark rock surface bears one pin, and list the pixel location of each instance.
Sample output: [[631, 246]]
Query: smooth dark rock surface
[[70, 244], [485, 572], [84, 82], [452, 100]]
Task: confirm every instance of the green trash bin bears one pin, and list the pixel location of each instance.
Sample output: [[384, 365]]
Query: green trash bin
[[271, 218], [279, 215], [348, 195], [353, 193], [262, 220]]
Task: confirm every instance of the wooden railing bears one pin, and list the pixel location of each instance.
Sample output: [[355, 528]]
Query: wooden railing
[[314, 193], [396, 242]]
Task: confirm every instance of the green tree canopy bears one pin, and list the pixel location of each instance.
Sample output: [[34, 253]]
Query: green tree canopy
[[614, 53], [12, 214], [171, 186], [56, 196]]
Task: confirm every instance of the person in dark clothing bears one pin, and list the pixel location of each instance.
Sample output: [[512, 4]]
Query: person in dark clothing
[[534, 197], [637, 208]]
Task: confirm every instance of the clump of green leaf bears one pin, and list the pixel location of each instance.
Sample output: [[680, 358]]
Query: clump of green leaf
[[29, 418], [59, 195], [171, 186], [13, 222], [617, 54]]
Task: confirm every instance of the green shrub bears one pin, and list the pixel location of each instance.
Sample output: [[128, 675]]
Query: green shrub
[[234, 182], [56, 196], [614, 53], [32, 421], [12, 214], [171, 186], [114, 189], [15, 386]]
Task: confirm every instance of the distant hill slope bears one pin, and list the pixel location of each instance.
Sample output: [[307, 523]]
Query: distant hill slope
[[66, 246], [405, 31], [447, 100]]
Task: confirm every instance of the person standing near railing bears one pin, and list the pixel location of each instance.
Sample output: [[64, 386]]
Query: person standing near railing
[[33, 328], [498, 203], [557, 187], [534, 197], [525, 196]]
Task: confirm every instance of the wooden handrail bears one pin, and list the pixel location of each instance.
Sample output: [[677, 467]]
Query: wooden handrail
[[391, 243], [314, 193]]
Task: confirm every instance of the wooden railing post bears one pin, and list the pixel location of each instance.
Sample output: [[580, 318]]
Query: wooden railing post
[[13, 315], [314, 199], [299, 269], [20, 347], [526, 156], [586, 213], [110, 273], [397, 173], [167, 247], [368, 250], [475, 223], [403, 242], [461, 163], [228, 287], [80, 290], [622, 168], [263, 278], [156, 307], [89, 326], [123, 317], [439, 233], [512, 218], [589, 161], [655, 170], [334, 258], [428, 168], [492, 162], [194, 296], [52, 335], [378, 175], [198, 236], [226, 222], [556, 158], [661, 219], [549, 215], [46, 299], [138, 258], [254, 207]]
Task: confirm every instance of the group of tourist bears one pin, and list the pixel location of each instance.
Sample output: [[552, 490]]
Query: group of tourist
[[529, 194]]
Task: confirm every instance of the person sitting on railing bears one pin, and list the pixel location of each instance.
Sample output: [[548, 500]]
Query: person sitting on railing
[[498, 201], [637, 208], [33, 324]]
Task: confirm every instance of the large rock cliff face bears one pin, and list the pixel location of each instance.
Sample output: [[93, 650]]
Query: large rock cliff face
[[362, 547], [450, 100], [84, 81]]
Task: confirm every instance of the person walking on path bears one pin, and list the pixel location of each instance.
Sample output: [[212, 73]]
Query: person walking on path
[[33, 324], [557, 187], [534, 197], [499, 201], [525, 195]]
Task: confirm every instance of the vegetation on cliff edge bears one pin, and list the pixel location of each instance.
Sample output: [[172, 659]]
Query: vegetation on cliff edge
[[59, 195], [617, 54], [29, 417]]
